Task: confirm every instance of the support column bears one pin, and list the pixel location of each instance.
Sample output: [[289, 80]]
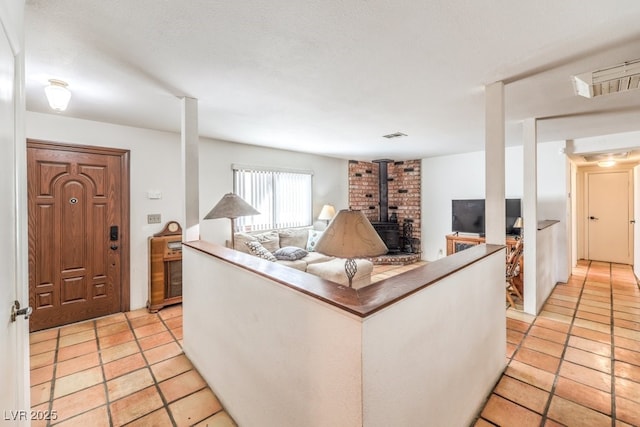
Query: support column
[[495, 225], [530, 214], [190, 170]]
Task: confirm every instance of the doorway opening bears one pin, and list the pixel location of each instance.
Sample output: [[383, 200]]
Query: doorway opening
[[78, 210]]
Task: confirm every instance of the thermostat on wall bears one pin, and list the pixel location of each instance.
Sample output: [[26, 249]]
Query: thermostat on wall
[[154, 194]]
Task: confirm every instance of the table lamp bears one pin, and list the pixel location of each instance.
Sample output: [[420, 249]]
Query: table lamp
[[231, 206], [350, 235]]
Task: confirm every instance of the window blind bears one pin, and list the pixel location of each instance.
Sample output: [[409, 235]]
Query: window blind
[[284, 199]]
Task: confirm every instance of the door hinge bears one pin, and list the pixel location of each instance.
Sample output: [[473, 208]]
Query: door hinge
[[17, 311]]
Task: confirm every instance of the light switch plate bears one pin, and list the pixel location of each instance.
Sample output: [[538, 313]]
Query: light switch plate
[[154, 219]]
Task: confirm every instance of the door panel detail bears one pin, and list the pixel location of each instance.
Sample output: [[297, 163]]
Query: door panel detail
[[75, 195]]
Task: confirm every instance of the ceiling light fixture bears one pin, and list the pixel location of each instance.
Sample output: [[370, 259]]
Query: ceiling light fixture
[[606, 157], [394, 135], [57, 94], [606, 163], [617, 78]]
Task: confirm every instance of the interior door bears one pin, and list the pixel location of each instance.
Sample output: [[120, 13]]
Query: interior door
[[14, 350], [609, 230], [76, 230]]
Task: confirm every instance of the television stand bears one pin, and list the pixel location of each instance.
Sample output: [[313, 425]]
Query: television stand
[[457, 243]]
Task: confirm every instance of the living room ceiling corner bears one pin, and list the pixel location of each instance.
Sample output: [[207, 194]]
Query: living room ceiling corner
[[331, 77]]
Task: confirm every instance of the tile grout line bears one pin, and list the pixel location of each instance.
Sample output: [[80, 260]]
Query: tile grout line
[[612, 356], [53, 376], [104, 376], [77, 391], [193, 368], [552, 392], [165, 404], [504, 372]]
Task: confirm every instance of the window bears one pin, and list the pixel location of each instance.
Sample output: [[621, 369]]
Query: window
[[282, 197]]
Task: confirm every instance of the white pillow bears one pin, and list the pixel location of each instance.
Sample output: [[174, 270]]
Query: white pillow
[[312, 240], [256, 248]]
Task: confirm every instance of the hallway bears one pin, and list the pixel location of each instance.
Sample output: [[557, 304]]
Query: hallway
[[576, 364]]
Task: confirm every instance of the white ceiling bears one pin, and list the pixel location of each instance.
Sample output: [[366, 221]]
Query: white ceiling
[[332, 76]]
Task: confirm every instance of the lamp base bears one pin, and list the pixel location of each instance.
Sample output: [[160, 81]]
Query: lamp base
[[350, 268]]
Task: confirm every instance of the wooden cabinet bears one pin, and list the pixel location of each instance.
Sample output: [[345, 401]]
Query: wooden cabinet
[[165, 267], [460, 242]]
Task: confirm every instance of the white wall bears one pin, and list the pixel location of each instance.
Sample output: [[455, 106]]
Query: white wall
[[461, 176], [432, 358], [156, 165], [554, 188], [547, 260], [330, 179], [277, 357], [274, 356]]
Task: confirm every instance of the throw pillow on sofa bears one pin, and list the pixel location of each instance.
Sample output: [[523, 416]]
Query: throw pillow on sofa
[[314, 236], [256, 248], [294, 237], [270, 240], [290, 253]]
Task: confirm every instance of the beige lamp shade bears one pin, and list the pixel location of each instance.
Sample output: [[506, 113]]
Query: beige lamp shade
[[518, 223], [351, 235], [327, 213], [231, 206]]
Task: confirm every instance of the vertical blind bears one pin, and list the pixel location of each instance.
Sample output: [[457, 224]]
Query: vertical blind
[[282, 198]]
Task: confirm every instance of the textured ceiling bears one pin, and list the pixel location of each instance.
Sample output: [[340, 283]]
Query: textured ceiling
[[333, 76]]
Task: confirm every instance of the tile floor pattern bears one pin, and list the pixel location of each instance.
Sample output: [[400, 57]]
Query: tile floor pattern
[[124, 369], [127, 369], [578, 362]]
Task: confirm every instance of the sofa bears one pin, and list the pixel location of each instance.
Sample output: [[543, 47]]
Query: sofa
[[294, 248]]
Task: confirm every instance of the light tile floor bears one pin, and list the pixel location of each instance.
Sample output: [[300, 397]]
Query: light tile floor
[[577, 363], [124, 369]]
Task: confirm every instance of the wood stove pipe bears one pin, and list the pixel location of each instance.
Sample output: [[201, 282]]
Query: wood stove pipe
[[383, 188]]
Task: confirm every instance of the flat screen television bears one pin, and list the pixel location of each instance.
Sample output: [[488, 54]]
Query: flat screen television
[[468, 215]]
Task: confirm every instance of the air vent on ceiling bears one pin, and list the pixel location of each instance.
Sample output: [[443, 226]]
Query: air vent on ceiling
[[394, 135], [618, 78]]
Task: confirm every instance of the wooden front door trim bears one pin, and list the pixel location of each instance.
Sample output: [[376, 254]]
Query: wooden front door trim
[[124, 241]]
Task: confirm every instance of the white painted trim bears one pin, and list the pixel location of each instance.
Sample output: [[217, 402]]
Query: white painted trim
[[530, 214], [190, 168]]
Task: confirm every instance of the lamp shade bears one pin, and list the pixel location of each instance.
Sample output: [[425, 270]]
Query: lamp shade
[[57, 94], [231, 206], [327, 213], [351, 235], [518, 223]]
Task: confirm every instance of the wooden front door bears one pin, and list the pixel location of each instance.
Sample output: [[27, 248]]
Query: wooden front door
[[78, 232]]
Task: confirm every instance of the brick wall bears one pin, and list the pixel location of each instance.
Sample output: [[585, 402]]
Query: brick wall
[[363, 189], [404, 191]]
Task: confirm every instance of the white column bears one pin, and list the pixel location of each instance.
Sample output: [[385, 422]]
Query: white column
[[530, 214], [190, 174], [495, 225]]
